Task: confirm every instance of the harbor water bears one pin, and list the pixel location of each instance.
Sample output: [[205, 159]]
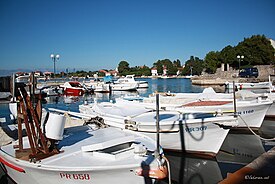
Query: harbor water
[[239, 148]]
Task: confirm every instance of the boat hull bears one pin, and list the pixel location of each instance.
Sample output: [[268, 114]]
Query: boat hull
[[198, 135], [240, 86], [83, 158], [124, 87], [73, 92], [40, 175], [249, 113]]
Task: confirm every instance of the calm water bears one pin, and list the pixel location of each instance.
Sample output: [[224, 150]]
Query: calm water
[[238, 149]]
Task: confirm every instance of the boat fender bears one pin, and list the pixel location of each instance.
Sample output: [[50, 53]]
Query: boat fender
[[157, 173]]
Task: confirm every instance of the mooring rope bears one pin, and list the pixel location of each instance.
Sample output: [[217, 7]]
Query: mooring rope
[[169, 170], [253, 132]]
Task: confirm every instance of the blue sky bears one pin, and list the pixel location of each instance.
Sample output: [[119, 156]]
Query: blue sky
[[98, 34]]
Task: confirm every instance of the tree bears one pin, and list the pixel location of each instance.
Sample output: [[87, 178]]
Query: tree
[[194, 64], [123, 67], [257, 50], [171, 68], [211, 62]]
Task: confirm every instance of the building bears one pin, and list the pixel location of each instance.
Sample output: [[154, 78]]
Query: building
[[154, 71], [164, 70]]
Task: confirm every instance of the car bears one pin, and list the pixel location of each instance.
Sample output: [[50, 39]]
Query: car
[[249, 72]]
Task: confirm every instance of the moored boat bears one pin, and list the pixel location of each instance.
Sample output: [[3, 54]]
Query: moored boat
[[251, 108], [131, 79], [247, 85], [124, 86], [191, 132], [73, 88], [80, 154]]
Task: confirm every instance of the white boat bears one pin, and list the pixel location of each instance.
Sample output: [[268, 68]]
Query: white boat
[[23, 78], [251, 108], [248, 85], [131, 79], [192, 132], [99, 86], [86, 154], [52, 90], [124, 86]]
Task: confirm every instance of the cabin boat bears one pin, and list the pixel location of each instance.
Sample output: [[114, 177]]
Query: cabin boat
[[124, 86], [131, 79], [73, 88]]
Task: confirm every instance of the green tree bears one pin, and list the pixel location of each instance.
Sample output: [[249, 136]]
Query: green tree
[[171, 68], [123, 68], [257, 50], [211, 62], [193, 66]]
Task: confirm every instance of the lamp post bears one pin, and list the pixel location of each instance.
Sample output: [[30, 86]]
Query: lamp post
[[54, 58], [240, 58]]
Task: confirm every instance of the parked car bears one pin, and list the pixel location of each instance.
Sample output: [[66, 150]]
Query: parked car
[[249, 72]]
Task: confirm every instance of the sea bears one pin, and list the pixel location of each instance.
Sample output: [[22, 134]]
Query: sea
[[239, 148]]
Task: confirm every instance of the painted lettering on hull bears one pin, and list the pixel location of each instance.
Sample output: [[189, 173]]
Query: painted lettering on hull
[[74, 176], [195, 129]]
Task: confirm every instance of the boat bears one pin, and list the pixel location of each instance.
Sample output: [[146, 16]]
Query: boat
[[85, 155], [52, 90], [131, 79], [5, 95], [247, 85], [250, 108], [99, 86], [23, 79], [199, 133], [73, 88], [124, 86], [92, 153]]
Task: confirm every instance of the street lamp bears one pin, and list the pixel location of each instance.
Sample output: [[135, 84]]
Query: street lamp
[[54, 58], [240, 58]]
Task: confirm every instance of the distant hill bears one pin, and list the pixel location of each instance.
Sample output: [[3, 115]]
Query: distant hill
[[4, 73]]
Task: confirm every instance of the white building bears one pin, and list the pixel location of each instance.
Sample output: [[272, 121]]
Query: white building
[[154, 71]]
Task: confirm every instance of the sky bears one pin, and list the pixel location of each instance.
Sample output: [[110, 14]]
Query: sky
[[97, 34]]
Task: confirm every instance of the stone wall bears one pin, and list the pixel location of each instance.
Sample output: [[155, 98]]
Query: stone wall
[[264, 72]]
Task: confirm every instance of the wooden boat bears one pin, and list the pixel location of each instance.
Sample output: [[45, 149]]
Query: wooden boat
[[248, 85], [250, 108], [73, 88], [81, 154], [191, 132]]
